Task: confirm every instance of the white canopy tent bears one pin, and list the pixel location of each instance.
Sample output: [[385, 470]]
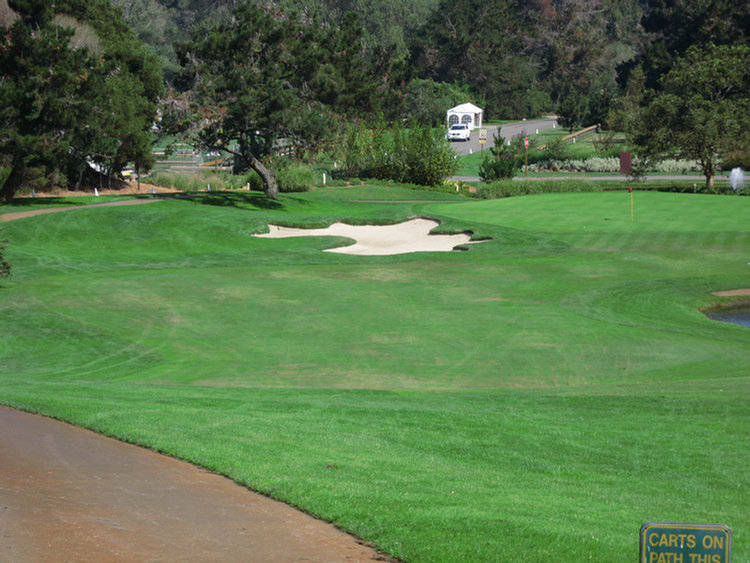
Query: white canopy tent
[[468, 114]]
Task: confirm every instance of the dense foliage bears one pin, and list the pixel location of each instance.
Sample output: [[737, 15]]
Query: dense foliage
[[504, 162], [266, 78], [387, 24], [526, 58], [77, 92], [516, 58], [419, 155], [673, 26], [296, 71], [703, 109]]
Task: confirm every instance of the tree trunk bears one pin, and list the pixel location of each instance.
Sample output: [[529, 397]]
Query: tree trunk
[[710, 182], [12, 183], [708, 171], [270, 187], [80, 178]]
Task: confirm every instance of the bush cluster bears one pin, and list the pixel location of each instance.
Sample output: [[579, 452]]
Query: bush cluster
[[509, 188], [419, 155], [504, 163], [604, 165], [735, 159], [196, 182], [290, 176]]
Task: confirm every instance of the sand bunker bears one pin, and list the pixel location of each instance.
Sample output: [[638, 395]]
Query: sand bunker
[[733, 293], [381, 240]]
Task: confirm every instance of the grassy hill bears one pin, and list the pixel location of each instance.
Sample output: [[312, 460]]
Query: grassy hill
[[537, 397]]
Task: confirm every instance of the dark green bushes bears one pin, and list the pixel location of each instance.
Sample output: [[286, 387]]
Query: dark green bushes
[[419, 155], [290, 177], [509, 187], [504, 162]]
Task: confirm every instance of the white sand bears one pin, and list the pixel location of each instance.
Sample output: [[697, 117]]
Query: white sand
[[380, 240]]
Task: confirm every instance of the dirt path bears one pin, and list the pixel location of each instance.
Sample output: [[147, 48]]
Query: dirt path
[[158, 193], [69, 495], [21, 214]]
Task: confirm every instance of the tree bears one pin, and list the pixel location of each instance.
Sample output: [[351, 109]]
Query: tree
[[676, 25], [154, 25], [75, 89], [264, 77], [41, 83], [426, 101], [418, 155], [578, 46], [703, 109], [483, 45], [504, 163]]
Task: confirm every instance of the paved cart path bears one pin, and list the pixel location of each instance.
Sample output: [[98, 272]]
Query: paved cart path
[[69, 495]]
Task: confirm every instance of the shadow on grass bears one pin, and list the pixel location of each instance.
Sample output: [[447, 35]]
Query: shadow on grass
[[235, 199], [70, 201], [39, 202]]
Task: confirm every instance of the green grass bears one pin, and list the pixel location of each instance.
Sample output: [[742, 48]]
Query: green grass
[[538, 397]]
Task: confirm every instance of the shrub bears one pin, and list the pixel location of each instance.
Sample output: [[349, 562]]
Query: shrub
[[196, 182], [557, 150], [508, 188], [429, 159], [38, 178], [612, 164], [736, 159], [504, 162], [419, 155], [577, 165], [291, 177], [295, 178]]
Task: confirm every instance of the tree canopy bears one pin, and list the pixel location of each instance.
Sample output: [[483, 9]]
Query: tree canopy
[[265, 77], [703, 109], [526, 58], [79, 90], [673, 26], [76, 91]]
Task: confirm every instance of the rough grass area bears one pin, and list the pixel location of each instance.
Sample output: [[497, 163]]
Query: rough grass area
[[537, 397]]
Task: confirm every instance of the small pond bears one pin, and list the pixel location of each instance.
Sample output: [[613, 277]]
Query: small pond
[[736, 316]]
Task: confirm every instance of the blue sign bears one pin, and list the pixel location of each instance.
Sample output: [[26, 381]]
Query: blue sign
[[671, 542]]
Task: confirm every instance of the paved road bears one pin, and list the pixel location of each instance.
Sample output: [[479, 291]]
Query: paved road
[[508, 131], [68, 495]]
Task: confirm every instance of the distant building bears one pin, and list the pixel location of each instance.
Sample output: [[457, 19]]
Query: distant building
[[468, 114]]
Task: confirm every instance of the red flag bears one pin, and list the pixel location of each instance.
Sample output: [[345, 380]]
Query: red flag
[[630, 190]]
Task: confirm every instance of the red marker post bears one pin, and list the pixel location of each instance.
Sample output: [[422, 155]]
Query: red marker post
[[526, 151]]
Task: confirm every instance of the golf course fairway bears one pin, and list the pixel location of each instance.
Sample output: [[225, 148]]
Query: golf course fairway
[[537, 397]]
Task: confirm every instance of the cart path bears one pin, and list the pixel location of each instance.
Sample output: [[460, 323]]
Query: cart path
[[32, 213], [70, 495]]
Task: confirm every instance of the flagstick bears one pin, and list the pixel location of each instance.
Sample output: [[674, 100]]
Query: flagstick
[[631, 204]]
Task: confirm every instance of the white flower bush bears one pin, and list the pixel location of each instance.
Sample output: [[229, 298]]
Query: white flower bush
[[605, 165]]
